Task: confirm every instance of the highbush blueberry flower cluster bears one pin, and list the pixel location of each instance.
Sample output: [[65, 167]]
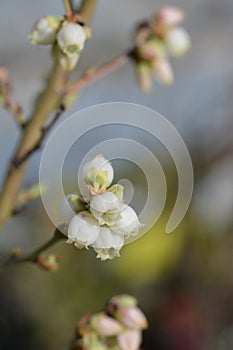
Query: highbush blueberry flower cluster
[[155, 42], [119, 327], [102, 221], [66, 36]]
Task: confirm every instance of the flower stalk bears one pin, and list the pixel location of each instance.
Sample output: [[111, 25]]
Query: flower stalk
[[35, 255]]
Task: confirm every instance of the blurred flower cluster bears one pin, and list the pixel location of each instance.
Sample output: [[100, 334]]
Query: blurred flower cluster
[[102, 221], [155, 42], [119, 327], [66, 36]]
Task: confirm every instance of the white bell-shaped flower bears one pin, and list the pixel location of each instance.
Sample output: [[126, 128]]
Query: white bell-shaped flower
[[83, 230], [106, 208], [71, 38], [44, 31], [108, 244], [98, 174], [177, 41], [128, 224]]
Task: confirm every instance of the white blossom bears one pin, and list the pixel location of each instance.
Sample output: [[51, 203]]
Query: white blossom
[[106, 208], [128, 224], [98, 174], [177, 41], [108, 244], [44, 31], [71, 38], [83, 230]]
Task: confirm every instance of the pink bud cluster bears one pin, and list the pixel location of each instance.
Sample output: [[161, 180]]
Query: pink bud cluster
[[118, 327], [156, 41], [49, 262]]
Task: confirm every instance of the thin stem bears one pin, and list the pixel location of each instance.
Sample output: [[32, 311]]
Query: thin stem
[[94, 73], [87, 9], [67, 8], [33, 257], [5, 91], [16, 111], [45, 130]]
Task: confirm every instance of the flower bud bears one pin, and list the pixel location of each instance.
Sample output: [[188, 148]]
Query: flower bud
[[117, 190], [120, 301], [144, 76], [108, 244], [49, 262], [91, 342], [71, 38], [128, 224], [44, 31], [106, 208], [177, 41], [105, 326], [129, 340], [151, 49], [83, 230], [132, 317], [71, 205], [4, 76], [163, 71], [170, 15], [69, 63], [98, 174]]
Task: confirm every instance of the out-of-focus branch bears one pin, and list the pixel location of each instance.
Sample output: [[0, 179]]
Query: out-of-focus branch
[[67, 7], [6, 100], [93, 73], [34, 256], [44, 131], [87, 9]]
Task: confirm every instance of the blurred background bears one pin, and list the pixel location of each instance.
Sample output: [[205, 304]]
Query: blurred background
[[183, 281]]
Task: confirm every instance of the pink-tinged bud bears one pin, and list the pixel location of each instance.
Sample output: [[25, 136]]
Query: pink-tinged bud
[[170, 15], [120, 301], [144, 76], [4, 77], [105, 326], [49, 262], [152, 49], [129, 340], [90, 342], [163, 72], [132, 317]]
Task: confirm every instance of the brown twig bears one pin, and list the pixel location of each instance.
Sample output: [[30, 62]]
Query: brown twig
[[5, 91], [92, 74]]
